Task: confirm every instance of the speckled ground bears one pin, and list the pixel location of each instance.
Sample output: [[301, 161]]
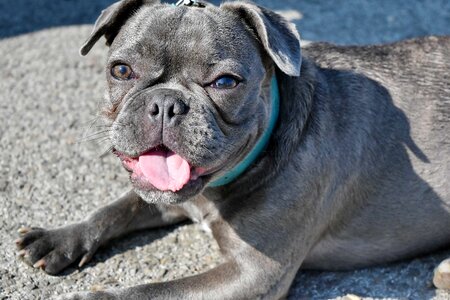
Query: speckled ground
[[52, 175]]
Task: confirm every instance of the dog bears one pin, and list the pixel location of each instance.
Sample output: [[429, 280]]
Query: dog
[[321, 157]]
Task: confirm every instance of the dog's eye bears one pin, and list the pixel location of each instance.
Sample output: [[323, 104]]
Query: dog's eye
[[224, 82], [122, 72]]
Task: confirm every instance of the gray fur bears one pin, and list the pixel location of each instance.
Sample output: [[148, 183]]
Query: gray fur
[[355, 173]]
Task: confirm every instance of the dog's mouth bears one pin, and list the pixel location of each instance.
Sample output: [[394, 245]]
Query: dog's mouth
[[164, 169]]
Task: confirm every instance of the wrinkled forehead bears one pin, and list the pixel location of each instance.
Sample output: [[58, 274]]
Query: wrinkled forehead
[[199, 35]]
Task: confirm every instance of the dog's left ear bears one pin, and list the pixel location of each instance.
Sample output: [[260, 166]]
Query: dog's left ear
[[111, 20], [278, 36]]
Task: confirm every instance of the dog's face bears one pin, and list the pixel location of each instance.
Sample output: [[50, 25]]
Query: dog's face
[[188, 91]]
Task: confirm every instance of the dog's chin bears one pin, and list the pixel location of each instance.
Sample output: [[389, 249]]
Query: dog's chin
[[152, 195]]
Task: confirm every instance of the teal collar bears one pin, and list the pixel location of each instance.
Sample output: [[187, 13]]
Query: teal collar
[[260, 145]]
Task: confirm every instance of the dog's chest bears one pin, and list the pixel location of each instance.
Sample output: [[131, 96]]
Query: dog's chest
[[200, 211]]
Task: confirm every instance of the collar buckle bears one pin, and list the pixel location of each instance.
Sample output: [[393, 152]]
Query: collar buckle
[[193, 3]]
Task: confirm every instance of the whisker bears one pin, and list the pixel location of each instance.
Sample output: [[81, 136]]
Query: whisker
[[106, 151], [91, 123], [97, 133], [97, 140]]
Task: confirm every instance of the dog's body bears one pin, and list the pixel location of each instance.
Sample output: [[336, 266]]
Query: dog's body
[[354, 174], [399, 194]]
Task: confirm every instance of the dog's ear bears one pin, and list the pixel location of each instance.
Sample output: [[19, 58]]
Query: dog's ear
[[111, 20], [278, 36]]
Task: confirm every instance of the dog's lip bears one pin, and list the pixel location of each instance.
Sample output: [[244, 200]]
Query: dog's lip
[[123, 155], [124, 158]]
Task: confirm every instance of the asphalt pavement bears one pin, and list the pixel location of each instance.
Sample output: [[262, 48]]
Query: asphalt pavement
[[51, 173]]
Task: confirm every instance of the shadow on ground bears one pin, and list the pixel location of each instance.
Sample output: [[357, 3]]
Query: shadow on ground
[[409, 279], [23, 16], [343, 22]]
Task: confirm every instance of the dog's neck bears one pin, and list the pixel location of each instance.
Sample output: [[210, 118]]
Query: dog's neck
[[296, 101], [261, 144]]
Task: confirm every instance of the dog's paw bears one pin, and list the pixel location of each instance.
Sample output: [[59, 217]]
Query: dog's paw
[[441, 277], [53, 250], [87, 296]]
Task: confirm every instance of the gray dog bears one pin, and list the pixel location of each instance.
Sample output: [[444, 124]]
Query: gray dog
[[336, 158]]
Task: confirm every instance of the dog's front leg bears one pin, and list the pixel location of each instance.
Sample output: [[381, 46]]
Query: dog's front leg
[[53, 250], [263, 270], [231, 280]]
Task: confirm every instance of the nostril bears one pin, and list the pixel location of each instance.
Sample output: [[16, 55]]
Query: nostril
[[154, 109], [177, 108]]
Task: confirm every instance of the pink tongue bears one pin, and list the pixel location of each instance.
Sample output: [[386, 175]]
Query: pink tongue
[[165, 170]]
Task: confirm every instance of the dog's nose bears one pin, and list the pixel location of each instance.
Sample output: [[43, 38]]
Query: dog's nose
[[166, 108]]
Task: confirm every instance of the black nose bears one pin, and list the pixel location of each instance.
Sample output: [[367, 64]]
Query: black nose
[[166, 107]]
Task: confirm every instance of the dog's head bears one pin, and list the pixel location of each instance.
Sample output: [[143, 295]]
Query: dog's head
[[189, 91]]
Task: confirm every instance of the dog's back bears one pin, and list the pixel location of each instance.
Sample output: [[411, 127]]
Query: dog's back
[[401, 120], [415, 72]]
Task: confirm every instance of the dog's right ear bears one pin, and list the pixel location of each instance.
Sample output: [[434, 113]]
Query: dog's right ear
[[278, 37], [111, 20]]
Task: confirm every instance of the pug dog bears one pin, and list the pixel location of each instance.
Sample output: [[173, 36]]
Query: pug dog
[[334, 158]]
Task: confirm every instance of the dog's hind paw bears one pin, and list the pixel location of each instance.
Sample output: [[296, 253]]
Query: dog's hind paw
[[441, 277]]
